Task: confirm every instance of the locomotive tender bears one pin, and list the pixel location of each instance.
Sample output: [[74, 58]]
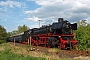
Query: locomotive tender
[[59, 34]]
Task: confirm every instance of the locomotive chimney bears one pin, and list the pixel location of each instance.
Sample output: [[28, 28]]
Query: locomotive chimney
[[60, 19]]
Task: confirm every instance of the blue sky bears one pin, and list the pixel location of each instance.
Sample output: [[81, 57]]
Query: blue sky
[[19, 12], [12, 15]]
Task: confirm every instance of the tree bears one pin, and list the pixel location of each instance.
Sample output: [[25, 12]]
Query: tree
[[83, 22], [3, 33], [14, 32], [82, 37], [9, 34], [22, 28], [19, 30]]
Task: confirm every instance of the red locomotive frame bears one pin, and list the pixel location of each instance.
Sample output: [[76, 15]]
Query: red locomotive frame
[[42, 40]]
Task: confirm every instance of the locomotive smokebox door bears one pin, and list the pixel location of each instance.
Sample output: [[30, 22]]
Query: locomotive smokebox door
[[60, 19]]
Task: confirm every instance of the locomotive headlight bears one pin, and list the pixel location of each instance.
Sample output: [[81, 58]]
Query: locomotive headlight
[[67, 22], [67, 26], [59, 36]]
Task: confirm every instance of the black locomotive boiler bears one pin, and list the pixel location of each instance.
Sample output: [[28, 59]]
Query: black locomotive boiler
[[60, 27]]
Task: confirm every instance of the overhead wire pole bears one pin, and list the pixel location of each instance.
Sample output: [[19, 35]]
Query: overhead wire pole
[[39, 22]]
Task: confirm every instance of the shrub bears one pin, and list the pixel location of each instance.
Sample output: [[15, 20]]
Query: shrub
[[2, 41]]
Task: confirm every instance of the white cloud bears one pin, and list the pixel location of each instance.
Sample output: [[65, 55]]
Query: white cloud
[[0, 9], [72, 10], [33, 18], [11, 4], [34, 26], [88, 20], [4, 20]]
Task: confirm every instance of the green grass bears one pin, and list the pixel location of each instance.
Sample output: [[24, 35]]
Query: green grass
[[8, 55]]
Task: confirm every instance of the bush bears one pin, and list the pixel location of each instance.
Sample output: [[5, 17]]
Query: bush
[[2, 41], [83, 36]]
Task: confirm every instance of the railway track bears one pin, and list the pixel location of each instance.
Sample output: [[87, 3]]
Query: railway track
[[61, 53]]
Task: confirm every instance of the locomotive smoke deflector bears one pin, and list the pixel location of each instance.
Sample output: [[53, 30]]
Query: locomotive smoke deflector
[[74, 26]]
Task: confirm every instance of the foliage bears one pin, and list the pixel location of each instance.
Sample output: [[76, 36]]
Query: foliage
[[2, 41], [82, 23], [83, 36], [3, 33], [20, 29], [9, 34]]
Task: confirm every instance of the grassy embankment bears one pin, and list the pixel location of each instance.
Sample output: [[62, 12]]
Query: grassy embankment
[[7, 54], [11, 52]]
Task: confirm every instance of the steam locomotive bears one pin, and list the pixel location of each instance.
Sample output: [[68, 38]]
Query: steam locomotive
[[59, 34]]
